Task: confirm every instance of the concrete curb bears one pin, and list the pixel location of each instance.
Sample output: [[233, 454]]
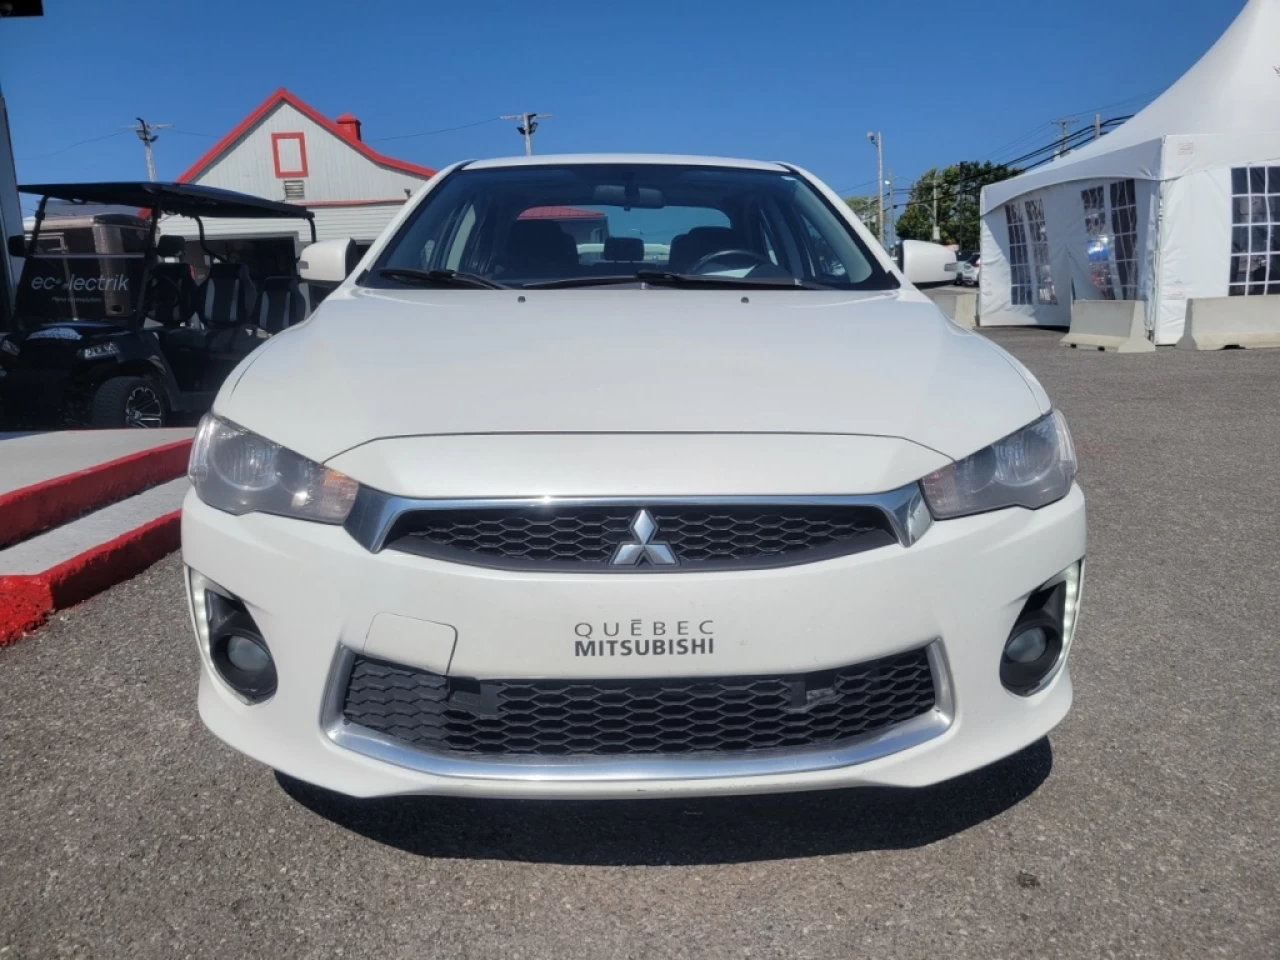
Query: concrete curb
[[29, 510], [26, 600]]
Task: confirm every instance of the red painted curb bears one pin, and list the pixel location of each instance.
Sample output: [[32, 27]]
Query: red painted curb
[[52, 502], [26, 600]]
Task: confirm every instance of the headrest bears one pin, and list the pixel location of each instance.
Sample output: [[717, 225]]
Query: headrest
[[623, 248], [170, 246]]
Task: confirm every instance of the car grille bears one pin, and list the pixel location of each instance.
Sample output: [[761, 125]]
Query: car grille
[[588, 537], [564, 718]]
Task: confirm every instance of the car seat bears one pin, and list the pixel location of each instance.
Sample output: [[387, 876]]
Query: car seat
[[171, 299], [225, 297], [280, 304], [539, 247]]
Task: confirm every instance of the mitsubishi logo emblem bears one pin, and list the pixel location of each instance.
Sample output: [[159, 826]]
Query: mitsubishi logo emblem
[[644, 528]]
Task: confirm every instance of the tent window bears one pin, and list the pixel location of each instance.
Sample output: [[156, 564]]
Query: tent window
[[1124, 227], [1255, 231], [1098, 249], [1019, 268], [1040, 252]]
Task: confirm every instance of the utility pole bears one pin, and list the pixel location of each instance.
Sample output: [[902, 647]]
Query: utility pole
[[528, 124], [1062, 134], [889, 220], [937, 235], [145, 134], [878, 140], [1097, 126]]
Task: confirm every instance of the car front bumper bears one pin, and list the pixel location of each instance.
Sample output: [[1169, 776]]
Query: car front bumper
[[320, 600]]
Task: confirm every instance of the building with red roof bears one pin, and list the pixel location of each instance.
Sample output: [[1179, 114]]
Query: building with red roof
[[287, 150]]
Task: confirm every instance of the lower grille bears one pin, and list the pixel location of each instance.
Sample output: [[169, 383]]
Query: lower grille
[[563, 718], [589, 537]]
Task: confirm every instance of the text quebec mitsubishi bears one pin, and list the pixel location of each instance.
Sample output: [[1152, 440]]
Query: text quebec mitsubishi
[[622, 476]]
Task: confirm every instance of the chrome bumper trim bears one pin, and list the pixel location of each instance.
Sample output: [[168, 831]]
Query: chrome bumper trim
[[375, 513], [872, 746]]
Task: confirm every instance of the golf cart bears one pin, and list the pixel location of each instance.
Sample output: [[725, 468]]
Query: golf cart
[[111, 328]]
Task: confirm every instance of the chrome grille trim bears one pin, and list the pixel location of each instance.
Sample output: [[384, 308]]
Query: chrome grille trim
[[577, 769], [375, 513]]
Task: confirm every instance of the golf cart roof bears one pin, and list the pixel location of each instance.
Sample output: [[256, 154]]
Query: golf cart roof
[[184, 199]]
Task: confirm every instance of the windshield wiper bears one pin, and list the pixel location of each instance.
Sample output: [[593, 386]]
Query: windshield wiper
[[677, 279], [711, 279], [442, 278], [581, 282]]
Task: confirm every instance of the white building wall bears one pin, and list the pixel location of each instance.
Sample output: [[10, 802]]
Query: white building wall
[[336, 170]]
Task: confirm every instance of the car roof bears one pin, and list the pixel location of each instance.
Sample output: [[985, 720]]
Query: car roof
[[551, 159], [185, 199]]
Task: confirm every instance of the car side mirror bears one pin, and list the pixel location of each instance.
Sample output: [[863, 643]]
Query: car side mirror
[[17, 245], [926, 264], [329, 261]]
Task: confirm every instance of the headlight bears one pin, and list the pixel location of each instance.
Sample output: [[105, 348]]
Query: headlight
[[9, 347], [240, 472], [1030, 468], [98, 351]]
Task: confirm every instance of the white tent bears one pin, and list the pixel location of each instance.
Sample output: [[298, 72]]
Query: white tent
[[1181, 201]]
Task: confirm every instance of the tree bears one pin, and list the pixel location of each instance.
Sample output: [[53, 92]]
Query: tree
[[867, 209], [959, 187]]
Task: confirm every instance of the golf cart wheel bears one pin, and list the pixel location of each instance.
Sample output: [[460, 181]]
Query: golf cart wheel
[[130, 402]]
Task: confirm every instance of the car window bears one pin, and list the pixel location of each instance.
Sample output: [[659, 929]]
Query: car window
[[523, 225]]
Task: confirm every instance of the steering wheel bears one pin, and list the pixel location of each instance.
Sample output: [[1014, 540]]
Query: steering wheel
[[758, 258]]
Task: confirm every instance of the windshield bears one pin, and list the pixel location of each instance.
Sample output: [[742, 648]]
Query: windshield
[[581, 223]]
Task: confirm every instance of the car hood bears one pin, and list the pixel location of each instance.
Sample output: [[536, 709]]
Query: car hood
[[372, 364]]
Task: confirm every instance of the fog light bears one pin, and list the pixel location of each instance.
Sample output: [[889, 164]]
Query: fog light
[[1038, 643], [247, 654], [240, 655], [231, 643], [1027, 646]]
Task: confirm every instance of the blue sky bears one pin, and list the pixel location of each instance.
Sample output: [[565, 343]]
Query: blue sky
[[801, 81]]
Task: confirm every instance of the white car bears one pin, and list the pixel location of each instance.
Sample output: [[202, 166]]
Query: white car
[[968, 270], [498, 522]]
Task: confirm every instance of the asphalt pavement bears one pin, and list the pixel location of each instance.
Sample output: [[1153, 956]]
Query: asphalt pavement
[[1147, 825]]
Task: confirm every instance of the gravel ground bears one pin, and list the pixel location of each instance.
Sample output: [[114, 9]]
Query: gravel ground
[[1146, 827]]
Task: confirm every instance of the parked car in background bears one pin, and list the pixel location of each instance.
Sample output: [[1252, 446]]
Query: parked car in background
[[505, 519], [967, 271]]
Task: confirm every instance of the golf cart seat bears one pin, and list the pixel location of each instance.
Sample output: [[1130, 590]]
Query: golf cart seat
[[280, 304], [172, 298], [226, 295]]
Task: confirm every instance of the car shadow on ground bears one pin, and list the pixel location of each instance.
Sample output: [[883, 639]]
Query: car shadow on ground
[[685, 832]]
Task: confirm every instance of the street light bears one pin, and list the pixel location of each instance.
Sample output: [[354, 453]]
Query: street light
[[878, 140]]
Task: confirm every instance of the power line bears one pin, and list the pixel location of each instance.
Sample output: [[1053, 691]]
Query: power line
[[1072, 139], [78, 143], [431, 133], [1119, 103]]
